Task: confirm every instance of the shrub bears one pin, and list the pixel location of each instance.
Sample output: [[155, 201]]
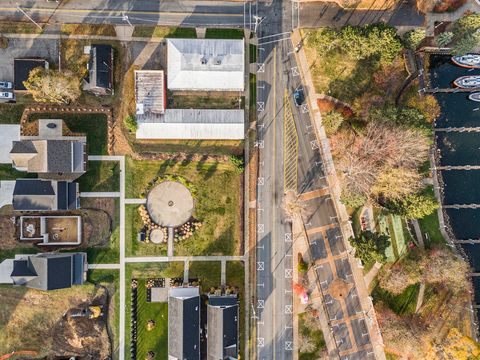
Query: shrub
[[238, 162], [302, 264], [130, 123], [414, 37], [332, 122]]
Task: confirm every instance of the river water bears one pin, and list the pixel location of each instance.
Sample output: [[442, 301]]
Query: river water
[[459, 148]]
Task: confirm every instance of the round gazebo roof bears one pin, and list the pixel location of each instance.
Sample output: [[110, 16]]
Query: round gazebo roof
[[170, 204]]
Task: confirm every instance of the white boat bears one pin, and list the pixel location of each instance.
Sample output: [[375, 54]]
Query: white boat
[[474, 96], [468, 82], [471, 61]]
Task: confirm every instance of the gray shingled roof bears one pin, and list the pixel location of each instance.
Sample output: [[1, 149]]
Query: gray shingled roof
[[23, 147], [184, 327], [59, 156], [222, 336]]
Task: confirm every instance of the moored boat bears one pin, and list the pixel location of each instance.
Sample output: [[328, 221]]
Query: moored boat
[[474, 96], [471, 61], [468, 82]]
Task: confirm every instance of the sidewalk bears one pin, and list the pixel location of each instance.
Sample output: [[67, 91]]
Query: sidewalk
[[343, 218]]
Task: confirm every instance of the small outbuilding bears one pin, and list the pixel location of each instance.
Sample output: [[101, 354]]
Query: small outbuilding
[[100, 70]]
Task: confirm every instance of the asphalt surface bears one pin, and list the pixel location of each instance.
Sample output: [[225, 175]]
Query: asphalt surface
[[199, 13], [138, 12]]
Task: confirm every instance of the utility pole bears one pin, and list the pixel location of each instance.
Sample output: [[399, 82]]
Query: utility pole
[[258, 21], [125, 18], [28, 17]]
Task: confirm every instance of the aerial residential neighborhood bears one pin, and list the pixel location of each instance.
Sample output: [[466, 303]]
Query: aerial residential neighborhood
[[218, 180]]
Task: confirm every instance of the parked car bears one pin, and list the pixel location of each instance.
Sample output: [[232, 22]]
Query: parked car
[[7, 95], [298, 97], [6, 85]]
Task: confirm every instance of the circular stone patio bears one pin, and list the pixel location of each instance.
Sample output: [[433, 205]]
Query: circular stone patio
[[170, 204]]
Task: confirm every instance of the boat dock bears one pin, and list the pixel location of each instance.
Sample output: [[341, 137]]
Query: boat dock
[[458, 129], [450, 90]]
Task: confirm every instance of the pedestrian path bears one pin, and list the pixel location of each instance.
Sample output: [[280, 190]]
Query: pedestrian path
[[135, 201], [101, 194], [103, 266]]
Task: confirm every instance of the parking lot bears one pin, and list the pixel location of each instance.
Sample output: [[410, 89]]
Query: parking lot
[[23, 48]]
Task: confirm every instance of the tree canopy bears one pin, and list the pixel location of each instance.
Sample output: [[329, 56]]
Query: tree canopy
[[370, 247], [360, 42], [53, 86], [414, 37]]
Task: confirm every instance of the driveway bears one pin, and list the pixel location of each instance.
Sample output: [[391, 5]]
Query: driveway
[[24, 48], [6, 192], [9, 133]]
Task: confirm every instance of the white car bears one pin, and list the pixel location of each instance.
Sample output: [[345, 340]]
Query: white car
[[6, 85], [6, 95]]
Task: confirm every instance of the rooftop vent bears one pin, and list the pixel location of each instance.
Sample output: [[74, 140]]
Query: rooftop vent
[[218, 61]]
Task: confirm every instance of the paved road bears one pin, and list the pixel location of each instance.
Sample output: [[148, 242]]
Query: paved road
[[330, 14], [139, 12]]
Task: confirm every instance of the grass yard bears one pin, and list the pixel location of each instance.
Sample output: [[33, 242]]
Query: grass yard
[[133, 224], [10, 254], [207, 101], [220, 147], [155, 340], [253, 53], [11, 113], [217, 204], [94, 126], [402, 304], [106, 254], [101, 176], [208, 274], [7, 172], [19, 28], [224, 34], [430, 226], [110, 279], [235, 272], [88, 29], [144, 271], [313, 336], [253, 97], [164, 32]]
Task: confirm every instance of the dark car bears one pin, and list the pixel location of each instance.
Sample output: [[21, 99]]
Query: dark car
[[298, 97]]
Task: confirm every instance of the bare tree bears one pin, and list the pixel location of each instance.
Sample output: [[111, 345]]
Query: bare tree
[[382, 150]]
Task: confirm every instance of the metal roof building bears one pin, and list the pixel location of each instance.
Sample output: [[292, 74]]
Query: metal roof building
[[199, 124], [150, 92], [206, 64]]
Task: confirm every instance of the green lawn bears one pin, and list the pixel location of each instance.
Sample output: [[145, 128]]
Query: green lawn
[[164, 32], [253, 97], [109, 279], [253, 53], [204, 147], [26, 27], [217, 203], [430, 225], [11, 113], [208, 274], [402, 304], [110, 254], [101, 176], [7, 172], [315, 336], [88, 29], [224, 34], [155, 340], [236, 277], [145, 271], [93, 125], [133, 224]]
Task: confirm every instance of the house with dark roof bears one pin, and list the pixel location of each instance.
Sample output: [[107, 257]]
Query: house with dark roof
[[22, 68], [184, 323], [100, 70], [45, 195], [222, 327], [47, 271], [50, 154]]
